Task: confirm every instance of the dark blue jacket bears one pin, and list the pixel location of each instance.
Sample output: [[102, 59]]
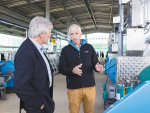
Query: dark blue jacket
[[31, 82], [71, 57]]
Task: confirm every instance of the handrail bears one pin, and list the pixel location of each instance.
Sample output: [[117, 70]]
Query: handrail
[[109, 62], [9, 47]]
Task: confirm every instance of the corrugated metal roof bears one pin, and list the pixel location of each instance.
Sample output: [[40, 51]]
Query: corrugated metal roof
[[91, 15]]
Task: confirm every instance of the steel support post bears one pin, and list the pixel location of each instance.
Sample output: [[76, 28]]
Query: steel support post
[[68, 25], [48, 9], [55, 43], [48, 14], [85, 36], [120, 31]]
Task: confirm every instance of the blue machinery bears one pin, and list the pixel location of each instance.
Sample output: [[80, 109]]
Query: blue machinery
[[110, 68], [107, 58], [137, 101], [126, 74], [8, 70]]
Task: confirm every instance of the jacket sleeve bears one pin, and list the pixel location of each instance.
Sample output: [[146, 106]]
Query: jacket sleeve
[[63, 65], [94, 58], [24, 64]]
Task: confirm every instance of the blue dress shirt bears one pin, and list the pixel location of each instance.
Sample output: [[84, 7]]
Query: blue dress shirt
[[40, 49]]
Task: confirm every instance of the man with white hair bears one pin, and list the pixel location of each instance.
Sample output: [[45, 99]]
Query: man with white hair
[[33, 79], [77, 62]]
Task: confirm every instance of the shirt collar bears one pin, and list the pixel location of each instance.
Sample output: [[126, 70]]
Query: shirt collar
[[38, 46], [75, 45]]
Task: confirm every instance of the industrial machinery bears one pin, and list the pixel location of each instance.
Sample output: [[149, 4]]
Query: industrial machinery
[[110, 67], [124, 72], [53, 58], [128, 76], [132, 69], [7, 68], [135, 102], [7, 72]]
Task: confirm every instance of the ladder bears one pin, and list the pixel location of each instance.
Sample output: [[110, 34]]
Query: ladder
[[54, 66]]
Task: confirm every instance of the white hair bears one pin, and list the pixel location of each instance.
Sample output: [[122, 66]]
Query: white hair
[[39, 25], [73, 26]]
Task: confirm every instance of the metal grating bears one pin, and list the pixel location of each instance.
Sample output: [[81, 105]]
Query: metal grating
[[92, 15], [130, 67], [111, 56]]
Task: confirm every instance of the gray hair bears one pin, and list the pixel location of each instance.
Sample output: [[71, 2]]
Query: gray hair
[[39, 25], [73, 26]]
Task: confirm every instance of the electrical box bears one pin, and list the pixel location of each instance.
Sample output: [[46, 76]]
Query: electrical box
[[116, 19], [111, 92], [116, 37], [135, 39], [134, 13], [114, 47], [145, 12], [125, 1]]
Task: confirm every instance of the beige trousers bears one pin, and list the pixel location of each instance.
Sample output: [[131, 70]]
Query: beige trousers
[[85, 95]]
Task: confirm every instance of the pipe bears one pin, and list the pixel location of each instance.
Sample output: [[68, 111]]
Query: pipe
[[59, 33]]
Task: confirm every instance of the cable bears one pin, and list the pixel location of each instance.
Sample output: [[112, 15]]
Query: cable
[[146, 48], [147, 31], [146, 26], [147, 23]]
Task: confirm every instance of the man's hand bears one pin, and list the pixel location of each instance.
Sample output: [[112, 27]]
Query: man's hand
[[99, 67], [76, 70], [42, 106]]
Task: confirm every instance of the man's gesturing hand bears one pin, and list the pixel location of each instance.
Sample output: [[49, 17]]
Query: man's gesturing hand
[[99, 67], [42, 106], [76, 70]]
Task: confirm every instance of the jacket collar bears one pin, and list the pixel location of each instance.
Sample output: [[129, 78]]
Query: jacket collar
[[38, 55], [38, 46], [83, 42]]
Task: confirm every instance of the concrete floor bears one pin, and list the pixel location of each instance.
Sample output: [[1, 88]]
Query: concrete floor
[[11, 104]]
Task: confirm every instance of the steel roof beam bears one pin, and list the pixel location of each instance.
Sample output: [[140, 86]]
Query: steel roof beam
[[93, 27], [13, 13], [70, 14], [78, 15], [87, 21], [110, 13], [105, 6], [12, 21], [13, 28], [23, 3], [13, 34], [39, 8], [90, 11]]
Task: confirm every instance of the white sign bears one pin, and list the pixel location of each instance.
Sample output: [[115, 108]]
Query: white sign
[[114, 47], [125, 1], [116, 19]]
